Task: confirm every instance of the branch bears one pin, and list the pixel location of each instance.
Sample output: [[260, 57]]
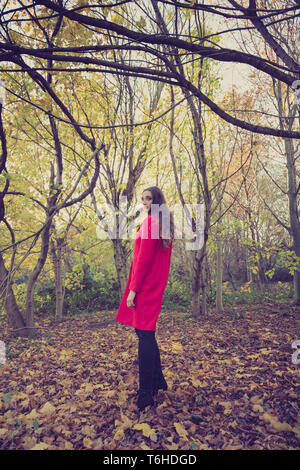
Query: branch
[[92, 185], [288, 229], [65, 204], [224, 55], [46, 87], [279, 51]]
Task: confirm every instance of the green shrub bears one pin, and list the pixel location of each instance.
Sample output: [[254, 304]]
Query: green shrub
[[177, 294], [96, 291]]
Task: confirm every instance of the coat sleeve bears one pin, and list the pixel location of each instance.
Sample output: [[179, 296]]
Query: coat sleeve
[[148, 247]]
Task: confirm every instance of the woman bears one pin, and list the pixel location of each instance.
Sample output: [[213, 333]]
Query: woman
[[143, 295]]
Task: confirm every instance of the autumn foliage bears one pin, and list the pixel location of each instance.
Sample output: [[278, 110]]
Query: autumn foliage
[[232, 384]]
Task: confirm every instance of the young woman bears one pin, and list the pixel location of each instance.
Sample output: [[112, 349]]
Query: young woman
[[143, 295]]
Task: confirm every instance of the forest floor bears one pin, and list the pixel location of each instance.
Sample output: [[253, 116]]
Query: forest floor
[[233, 383]]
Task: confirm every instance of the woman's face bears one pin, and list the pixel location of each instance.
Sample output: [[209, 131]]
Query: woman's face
[[147, 199]]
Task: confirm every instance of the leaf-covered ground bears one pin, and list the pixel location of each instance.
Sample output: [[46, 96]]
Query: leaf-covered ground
[[232, 384]]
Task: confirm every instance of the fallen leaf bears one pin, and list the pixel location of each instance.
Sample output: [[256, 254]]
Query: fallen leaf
[[228, 407], [40, 446], [258, 408], [196, 382], [119, 434], [47, 409], [181, 431], [177, 346], [68, 445], [88, 443], [277, 425], [3, 432], [172, 446], [145, 428], [65, 355], [30, 417], [153, 436], [145, 447]]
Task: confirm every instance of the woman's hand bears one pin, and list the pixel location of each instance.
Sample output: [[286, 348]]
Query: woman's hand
[[130, 299]]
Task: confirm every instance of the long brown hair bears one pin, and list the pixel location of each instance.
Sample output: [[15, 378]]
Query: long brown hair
[[158, 198]]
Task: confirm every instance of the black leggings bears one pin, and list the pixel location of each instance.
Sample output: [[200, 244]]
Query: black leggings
[[150, 372]]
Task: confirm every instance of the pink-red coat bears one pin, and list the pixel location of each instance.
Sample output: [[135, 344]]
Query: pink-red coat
[[148, 277]]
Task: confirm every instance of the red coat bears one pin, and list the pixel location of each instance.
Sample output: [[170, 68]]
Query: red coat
[[148, 277]]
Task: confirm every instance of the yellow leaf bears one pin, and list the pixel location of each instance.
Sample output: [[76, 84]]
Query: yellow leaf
[[122, 397], [181, 431], [65, 354], [277, 425], [119, 434], [265, 351], [173, 446], [3, 431], [40, 446], [24, 403], [130, 378], [68, 445], [88, 443], [297, 431], [256, 399], [153, 436], [88, 431], [145, 447], [258, 408], [228, 407], [196, 382], [28, 442], [30, 417], [125, 423], [177, 346], [47, 409], [21, 396], [144, 427], [231, 447], [87, 387]]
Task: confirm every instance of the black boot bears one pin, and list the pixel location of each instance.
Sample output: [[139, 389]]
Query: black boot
[[162, 385], [146, 356], [159, 380], [144, 398]]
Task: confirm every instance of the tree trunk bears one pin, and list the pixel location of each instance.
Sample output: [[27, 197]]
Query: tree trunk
[[219, 300], [56, 257], [292, 188], [293, 211], [120, 263], [297, 287], [203, 282], [196, 273], [34, 276], [15, 319]]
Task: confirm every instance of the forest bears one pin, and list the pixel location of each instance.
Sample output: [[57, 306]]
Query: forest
[[100, 100]]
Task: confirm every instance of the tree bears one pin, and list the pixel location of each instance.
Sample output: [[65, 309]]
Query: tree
[[280, 38], [134, 35]]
